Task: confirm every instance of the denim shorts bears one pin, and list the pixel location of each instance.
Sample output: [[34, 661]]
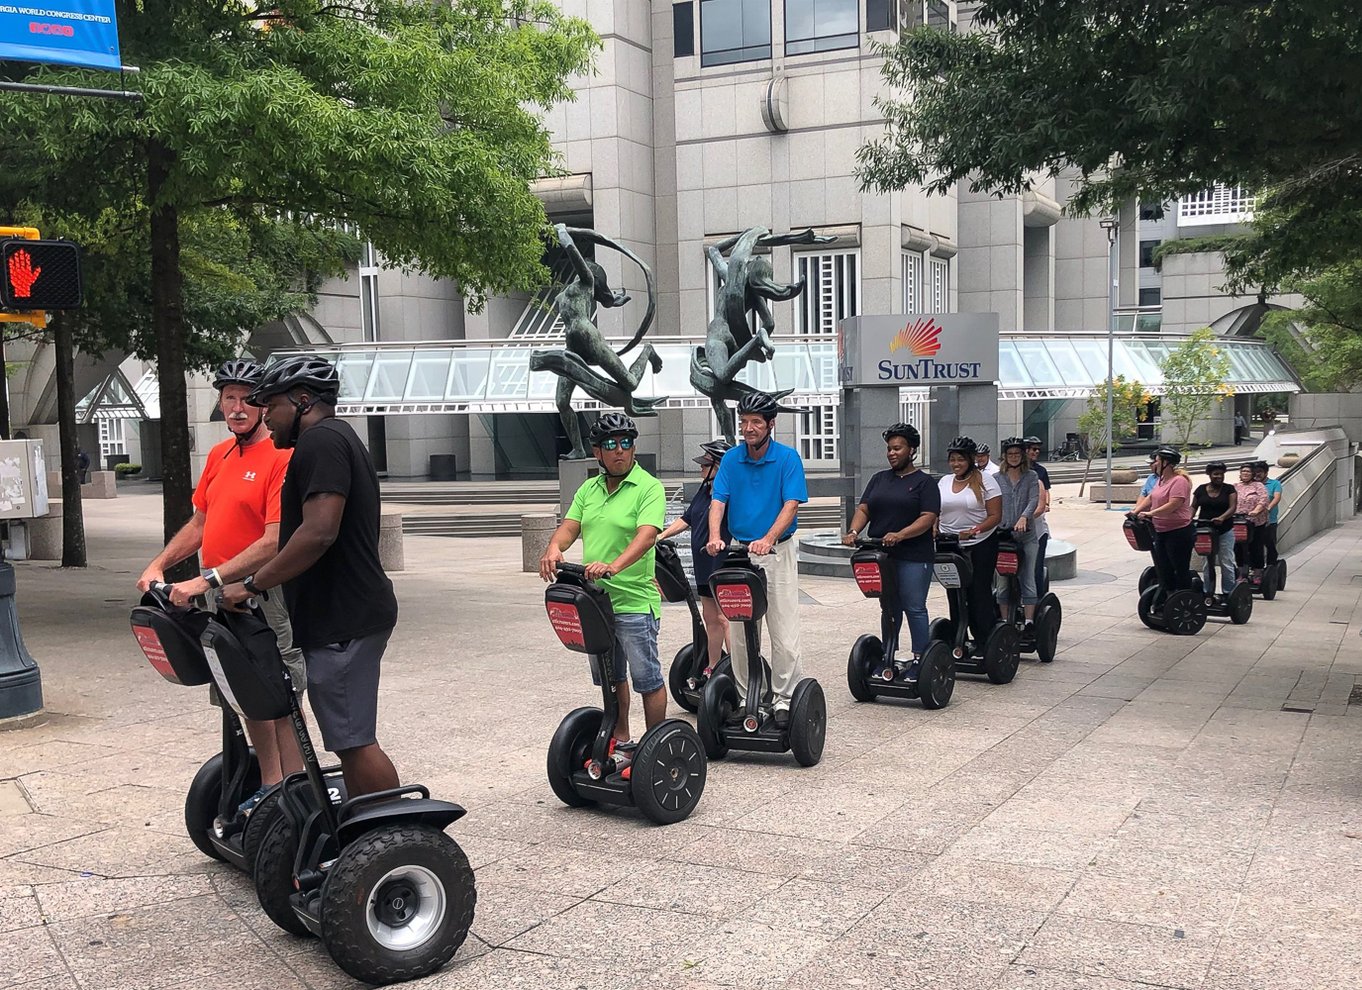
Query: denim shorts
[[636, 652]]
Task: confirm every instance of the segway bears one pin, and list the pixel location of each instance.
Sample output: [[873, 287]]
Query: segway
[[1269, 581], [666, 775], [999, 656], [729, 722], [1237, 606], [1181, 612], [872, 667], [686, 678], [388, 892], [1048, 617], [169, 636]]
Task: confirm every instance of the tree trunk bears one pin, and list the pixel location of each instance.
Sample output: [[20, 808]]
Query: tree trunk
[[4, 390], [167, 318], [72, 513]]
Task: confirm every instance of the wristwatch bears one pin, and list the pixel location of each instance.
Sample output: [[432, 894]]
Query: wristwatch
[[210, 574], [250, 585]]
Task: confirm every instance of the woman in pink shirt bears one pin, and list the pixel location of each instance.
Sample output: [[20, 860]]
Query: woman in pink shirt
[[1170, 510], [1252, 502]]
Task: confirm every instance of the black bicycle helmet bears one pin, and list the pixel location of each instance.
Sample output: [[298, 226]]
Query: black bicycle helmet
[[315, 374], [1216, 466], [714, 451], [982, 448], [238, 371], [963, 445], [758, 404], [612, 424], [1260, 466], [1031, 441], [1010, 442], [905, 430], [1168, 455]]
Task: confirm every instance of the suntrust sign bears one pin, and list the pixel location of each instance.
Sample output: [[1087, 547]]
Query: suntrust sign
[[918, 349]]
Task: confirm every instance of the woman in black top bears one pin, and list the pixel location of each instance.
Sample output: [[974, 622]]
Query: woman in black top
[[900, 506], [696, 519], [1215, 502]]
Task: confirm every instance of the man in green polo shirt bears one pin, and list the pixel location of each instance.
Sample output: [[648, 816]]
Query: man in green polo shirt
[[619, 514]]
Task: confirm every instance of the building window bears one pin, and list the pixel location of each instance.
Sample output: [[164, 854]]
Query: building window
[[1219, 204], [1147, 253], [816, 433], [880, 14], [683, 29], [832, 290], [368, 292], [912, 282], [939, 288], [111, 439], [1151, 297], [932, 13], [1151, 212], [821, 25], [734, 31]]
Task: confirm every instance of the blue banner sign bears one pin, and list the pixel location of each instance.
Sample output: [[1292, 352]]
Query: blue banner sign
[[68, 32]]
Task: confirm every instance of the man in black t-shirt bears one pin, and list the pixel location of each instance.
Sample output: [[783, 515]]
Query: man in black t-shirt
[[340, 602]]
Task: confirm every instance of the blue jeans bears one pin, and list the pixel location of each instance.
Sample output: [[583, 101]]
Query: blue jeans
[[1027, 549], [915, 577], [636, 652], [1225, 551]]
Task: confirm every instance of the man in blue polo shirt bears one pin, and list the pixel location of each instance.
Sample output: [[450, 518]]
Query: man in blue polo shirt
[[761, 486], [1274, 497]]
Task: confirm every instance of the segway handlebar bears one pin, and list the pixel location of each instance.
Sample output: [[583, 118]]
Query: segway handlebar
[[579, 570], [737, 546]]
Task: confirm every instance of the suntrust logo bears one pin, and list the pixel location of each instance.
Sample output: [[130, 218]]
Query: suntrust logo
[[921, 340]]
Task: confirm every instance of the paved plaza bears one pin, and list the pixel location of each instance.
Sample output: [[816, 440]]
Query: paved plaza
[[1148, 811]]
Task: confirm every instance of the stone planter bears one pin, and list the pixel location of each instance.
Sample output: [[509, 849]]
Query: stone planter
[[1287, 460], [1124, 477]]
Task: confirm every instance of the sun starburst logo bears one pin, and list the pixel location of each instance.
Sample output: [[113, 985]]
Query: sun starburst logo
[[921, 337]]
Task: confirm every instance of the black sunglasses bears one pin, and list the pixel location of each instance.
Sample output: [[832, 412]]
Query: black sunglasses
[[622, 443]]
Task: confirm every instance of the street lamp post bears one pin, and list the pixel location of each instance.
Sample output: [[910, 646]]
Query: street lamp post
[[1111, 226]]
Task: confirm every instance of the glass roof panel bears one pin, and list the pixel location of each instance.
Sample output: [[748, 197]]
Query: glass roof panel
[[1011, 370], [429, 372], [1035, 357]]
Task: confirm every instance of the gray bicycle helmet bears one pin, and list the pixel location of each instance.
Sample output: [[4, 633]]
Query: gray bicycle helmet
[[1010, 442], [983, 448], [1168, 454], [612, 424], [905, 430], [1031, 441], [963, 445], [758, 404], [315, 374], [238, 371], [714, 451]]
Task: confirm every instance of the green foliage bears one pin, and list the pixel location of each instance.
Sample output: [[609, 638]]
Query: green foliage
[[1194, 380], [1147, 101], [124, 469], [1323, 339]]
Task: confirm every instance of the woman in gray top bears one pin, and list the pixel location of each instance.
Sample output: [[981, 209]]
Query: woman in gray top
[[1021, 495]]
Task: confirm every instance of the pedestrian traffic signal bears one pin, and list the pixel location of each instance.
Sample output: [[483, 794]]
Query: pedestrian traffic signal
[[39, 275]]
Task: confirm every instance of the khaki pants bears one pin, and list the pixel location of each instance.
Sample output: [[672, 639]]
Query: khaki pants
[[779, 629]]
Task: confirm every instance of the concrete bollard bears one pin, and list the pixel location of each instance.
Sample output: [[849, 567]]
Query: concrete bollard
[[535, 531], [390, 552], [44, 533]]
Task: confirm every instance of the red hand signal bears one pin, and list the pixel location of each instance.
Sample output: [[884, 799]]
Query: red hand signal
[[22, 274]]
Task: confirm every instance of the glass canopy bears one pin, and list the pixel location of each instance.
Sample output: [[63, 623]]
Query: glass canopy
[[489, 376]]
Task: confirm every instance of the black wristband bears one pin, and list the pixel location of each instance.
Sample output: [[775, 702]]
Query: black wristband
[[211, 576], [250, 585]]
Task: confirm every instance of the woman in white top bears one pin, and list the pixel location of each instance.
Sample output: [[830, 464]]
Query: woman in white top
[[971, 508]]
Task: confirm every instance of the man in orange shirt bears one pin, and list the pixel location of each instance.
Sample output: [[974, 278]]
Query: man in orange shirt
[[235, 526]]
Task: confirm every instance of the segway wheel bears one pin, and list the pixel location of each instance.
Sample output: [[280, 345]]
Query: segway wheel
[[1146, 608], [274, 875], [1269, 584], [1281, 573], [941, 630], [201, 803], [1002, 654], [568, 752], [1184, 613], [668, 772], [680, 672], [1047, 632], [397, 904], [867, 653], [719, 697], [808, 722], [1241, 604], [936, 676], [257, 825], [1148, 578]]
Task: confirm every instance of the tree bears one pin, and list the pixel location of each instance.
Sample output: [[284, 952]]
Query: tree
[[1194, 376], [1128, 402], [1144, 100], [418, 124], [1323, 339]]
